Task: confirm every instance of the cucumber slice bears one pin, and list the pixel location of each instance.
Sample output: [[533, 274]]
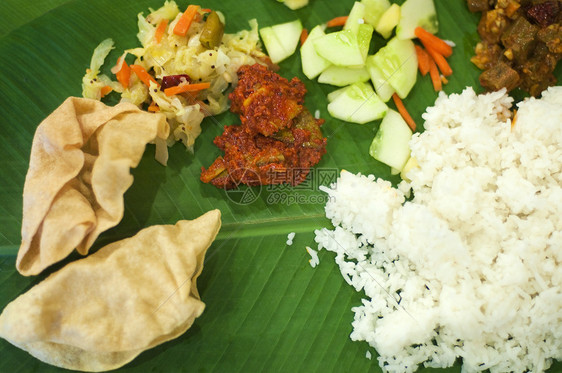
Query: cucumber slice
[[332, 95], [295, 4], [358, 103], [374, 10], [410, 164], [388, 21], [341, 76], [355, 17], [382, 87], [281, 40], [345, 48], [414, 13], [390, 145], [364, 36], [398, 64], [312, 63]]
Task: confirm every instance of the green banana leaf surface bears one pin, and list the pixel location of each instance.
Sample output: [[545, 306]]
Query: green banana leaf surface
[[267, 309]]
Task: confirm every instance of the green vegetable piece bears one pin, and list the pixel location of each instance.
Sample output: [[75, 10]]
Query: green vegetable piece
[[357, 103], [382, 87], [341, 75], [391, 143], [281, 40], [355, 17], [374, 10], [345, 48], [212, 32], [388, 21], [312, 63], [398, 64], [414, 13]]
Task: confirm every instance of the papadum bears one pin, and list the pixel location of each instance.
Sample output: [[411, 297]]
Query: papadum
[[100, 312], [79, 169]]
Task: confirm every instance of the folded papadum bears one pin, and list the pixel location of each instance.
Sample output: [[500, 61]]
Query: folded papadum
[[79, 169], [100, 312]]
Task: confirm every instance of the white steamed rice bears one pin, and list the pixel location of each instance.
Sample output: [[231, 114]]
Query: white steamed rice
[[314, 259], [470, 266]]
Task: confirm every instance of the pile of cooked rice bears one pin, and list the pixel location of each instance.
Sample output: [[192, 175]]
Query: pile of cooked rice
[[470, 266]]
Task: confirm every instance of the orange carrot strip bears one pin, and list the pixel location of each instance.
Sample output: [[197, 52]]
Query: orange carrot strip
[[434, 74], [186, 88], [423, 60], [440, 61], [182, 26], [105, 90], [431, 41], [335, 22], [402, 110], [143, 75], [514, 119], [153, 108], [304, 35], [124, 74], [160, 30], [206, 10]]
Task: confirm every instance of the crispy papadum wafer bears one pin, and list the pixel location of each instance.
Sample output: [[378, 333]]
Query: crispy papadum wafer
[[79, 169], [100, 312]]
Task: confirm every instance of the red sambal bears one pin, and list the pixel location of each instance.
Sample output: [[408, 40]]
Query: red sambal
[[278, 140]]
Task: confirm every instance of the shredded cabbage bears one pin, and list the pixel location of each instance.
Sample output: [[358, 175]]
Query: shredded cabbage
[[146, 30], [177, 55], [168, 11], [93, 82]]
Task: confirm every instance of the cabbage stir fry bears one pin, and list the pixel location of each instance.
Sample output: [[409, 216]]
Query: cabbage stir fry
[[185, 67]]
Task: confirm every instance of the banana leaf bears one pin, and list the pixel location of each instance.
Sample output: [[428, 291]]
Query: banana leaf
[[267, 309]]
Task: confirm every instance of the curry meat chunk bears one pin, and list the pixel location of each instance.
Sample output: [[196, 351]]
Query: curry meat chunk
[[521, 43]]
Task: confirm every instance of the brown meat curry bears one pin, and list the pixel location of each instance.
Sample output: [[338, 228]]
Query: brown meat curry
[[521, 43]]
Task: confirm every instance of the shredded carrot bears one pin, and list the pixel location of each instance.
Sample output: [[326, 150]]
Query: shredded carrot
[[440, 61], [143, 75], [402, 110], [431, 41], [434, 74], [206, 10], [124, 74], [153, 108], [160, 30], [182, 26], [304, 35], [423, 60], [186, 88], [335, 22], [105, 90]]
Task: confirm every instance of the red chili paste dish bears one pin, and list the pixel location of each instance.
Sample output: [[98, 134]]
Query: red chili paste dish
[[278, 140]]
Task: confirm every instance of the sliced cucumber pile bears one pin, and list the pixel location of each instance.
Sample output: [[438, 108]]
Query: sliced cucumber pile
[[341, 58], [281, 40]]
